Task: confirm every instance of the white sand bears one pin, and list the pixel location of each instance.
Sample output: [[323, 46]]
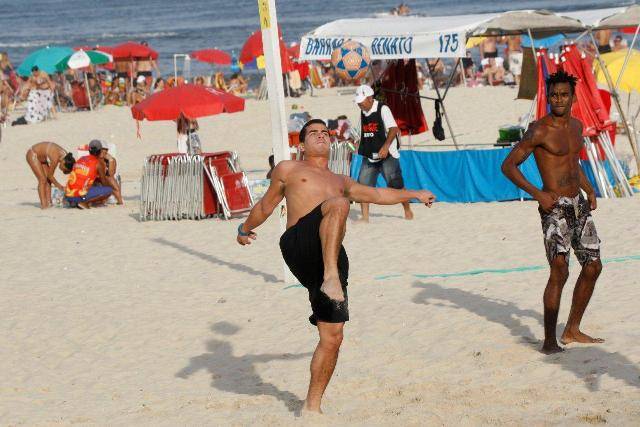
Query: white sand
[[109, 321]]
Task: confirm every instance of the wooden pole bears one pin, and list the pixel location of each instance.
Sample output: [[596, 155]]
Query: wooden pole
[[275, 88]]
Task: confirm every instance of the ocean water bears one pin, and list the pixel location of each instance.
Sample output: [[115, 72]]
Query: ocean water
[[183, 26]]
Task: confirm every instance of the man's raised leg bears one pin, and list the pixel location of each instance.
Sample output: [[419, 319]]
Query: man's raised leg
[[552, 294], [332, 228], [581, 296], [323, 363]]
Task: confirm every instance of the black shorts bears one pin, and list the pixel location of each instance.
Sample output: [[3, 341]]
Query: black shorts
[[491, 54], [302, 251], [605, 48], [144, 73]]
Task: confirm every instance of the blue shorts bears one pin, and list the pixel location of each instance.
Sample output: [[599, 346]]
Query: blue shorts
[[390, 168], [95, 192]]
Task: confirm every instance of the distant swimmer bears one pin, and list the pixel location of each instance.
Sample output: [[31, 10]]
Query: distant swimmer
[[556, 141], [317, 209], [44, 158]]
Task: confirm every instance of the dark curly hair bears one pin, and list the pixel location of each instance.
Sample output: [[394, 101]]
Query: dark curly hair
[[68, 161], [561, 76]]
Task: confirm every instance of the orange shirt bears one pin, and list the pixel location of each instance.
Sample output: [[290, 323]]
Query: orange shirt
[[82, 175]]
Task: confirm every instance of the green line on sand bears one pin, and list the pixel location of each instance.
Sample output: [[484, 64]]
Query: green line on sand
[[488, 270]]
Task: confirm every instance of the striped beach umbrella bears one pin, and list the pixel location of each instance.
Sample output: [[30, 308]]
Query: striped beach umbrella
[[82, 58]]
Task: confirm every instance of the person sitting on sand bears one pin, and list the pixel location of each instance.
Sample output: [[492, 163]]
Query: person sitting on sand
[[493, 70], [80, 191], [237, 84], [6, 95], [219, 81], [317, 210], [111, 168], [159, 85], [139, 93], [39, 93], [44, 158]]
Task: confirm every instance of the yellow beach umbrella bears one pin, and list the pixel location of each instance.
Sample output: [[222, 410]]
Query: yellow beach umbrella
[[614, 62], [474, 41]]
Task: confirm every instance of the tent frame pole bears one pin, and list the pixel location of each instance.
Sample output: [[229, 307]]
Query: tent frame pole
[[616, 101], [533, 46], [86, 84], [627, 57], [441, 99]]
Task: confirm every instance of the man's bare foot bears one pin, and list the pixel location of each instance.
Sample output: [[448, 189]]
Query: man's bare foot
[[332, 288], [83, 205], [551, 348], [408, 214], [577, 336], [363, 220]]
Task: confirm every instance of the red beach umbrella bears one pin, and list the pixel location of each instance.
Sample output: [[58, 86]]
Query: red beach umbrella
[[252, 49], [188, 100], [541, 104], [133, 50], [294, 50], [212, 56]]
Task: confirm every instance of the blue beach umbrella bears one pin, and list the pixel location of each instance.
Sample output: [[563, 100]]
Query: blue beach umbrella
[[45, 59]]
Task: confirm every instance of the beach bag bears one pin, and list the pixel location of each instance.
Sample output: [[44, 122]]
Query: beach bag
[[437, 129]]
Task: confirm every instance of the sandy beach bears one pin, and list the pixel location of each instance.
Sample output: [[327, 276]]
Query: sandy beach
[[110, 321]]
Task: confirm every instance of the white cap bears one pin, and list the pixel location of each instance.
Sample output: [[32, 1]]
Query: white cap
[[141, 79], [362, 93]]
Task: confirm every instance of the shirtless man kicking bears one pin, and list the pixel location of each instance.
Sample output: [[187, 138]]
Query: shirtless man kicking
[[317, 209], [555, 141]]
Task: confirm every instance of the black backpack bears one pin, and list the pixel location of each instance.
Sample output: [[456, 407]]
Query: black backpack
[[437, 129]]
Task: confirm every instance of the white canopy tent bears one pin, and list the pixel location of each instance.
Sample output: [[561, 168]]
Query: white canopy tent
[[429, 37], [446, 36]]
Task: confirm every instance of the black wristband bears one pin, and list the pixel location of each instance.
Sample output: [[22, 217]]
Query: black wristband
[[242, 233]]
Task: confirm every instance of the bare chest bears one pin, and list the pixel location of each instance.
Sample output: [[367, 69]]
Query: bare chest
[[563, 143], [312, 180]]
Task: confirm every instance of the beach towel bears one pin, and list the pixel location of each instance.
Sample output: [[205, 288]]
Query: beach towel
[[38, 105]]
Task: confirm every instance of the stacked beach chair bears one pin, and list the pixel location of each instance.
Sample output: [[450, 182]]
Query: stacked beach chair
[[340, 157], [179, 186]]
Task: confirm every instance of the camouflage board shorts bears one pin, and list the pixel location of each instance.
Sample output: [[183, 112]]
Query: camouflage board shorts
[[570, 225]]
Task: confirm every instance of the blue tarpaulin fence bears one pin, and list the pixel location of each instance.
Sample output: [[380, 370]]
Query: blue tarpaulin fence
[[462, 176]]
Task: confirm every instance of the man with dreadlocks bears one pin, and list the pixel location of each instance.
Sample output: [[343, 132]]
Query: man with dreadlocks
[[556, 141]]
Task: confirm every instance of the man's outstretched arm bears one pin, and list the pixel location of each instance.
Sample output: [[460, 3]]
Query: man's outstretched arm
[[384, 196], [264, 208]]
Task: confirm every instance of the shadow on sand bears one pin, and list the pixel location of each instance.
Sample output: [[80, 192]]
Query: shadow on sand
[[217, 261], [237, 374], [588, 363]]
